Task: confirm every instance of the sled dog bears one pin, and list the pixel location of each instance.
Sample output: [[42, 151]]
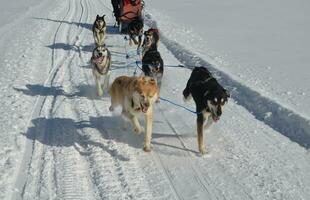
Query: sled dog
[[153, 66], [150, 41], [99, 30], [209, 97], [101, 62], [136, 96], [135, 29]]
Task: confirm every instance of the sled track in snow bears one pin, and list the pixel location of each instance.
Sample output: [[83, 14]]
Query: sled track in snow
[[44, 125], [287, 122]]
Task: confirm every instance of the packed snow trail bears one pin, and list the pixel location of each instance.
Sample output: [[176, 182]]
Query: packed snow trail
[[76, 149]]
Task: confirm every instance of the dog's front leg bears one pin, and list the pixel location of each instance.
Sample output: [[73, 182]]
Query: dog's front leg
[[200, 122], [130, 39], [148, 132], [209, 122], [137, 127], [140, 40], [134, 39], [98, 85], [96, 39], [106, 81], [134, 120]]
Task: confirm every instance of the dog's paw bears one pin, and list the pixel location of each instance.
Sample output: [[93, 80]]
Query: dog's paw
[[138, 130], [147, 148], [203, 151], [99, 93]]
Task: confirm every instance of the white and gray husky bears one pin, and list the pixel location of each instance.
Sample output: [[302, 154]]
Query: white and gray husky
[[101, 62], [99, 30]]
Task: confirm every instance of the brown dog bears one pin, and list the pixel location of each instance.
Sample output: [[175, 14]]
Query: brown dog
[[136, 95]]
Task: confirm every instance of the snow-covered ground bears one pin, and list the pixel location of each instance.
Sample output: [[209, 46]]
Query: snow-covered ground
[[59, 141], [263, 44]]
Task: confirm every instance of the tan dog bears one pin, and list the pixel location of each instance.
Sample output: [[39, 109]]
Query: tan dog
[[136, 95]]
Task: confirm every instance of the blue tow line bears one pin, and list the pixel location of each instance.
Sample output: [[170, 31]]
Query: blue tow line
[[130, 54], [197, 113]]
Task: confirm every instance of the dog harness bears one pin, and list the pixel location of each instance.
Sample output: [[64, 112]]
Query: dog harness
[[100, 29]]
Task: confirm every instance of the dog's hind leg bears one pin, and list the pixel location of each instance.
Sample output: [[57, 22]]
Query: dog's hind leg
[[200, 122], [148, 132]]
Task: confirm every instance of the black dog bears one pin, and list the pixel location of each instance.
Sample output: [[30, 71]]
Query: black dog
[[153, 66], [151, 39], [209, 97], [135, 29]]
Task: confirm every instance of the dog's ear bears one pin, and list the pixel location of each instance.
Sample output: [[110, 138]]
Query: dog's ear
[[145, 32], [103, 16], [97, 16], [227, 93]]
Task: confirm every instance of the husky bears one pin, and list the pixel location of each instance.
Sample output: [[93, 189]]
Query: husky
[[209, 97], [99, 30], [101, 63], [136, 96], [135, 29], [153, 66], [150, 41]]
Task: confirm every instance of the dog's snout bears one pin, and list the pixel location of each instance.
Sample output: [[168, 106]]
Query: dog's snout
[[219, 111], [100, 54]]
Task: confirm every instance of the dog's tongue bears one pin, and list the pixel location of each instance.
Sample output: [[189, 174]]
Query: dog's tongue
[[144, 109], [215, 118], [97, 59]]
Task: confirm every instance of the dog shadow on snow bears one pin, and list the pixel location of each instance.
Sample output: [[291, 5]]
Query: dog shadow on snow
[[87, 91], [112, 126], [65, 132], [72, 47], [111, 29]]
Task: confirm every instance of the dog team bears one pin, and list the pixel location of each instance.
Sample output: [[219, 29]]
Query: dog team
[[137, 95]]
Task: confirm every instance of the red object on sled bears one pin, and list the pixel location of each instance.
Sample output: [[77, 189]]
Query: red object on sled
[[130, 9]]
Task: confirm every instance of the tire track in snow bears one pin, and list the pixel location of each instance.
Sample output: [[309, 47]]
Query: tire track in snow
[[22, 177], [117, 176], [202, 181], [282, 119], [41, 102], [198, 168]]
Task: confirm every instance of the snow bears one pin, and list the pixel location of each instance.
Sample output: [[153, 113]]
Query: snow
[[59, 141], [263, 44]]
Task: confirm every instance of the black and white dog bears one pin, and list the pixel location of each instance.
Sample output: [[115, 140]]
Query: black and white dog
[[153, 66], [209, 97], [150, 41], [99, 30], [135, 29], [101, 62]]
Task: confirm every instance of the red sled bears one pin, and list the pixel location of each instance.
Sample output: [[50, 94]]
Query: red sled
[[129, 10]]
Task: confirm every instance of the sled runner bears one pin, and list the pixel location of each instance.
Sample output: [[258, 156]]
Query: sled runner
[[126, 11]]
